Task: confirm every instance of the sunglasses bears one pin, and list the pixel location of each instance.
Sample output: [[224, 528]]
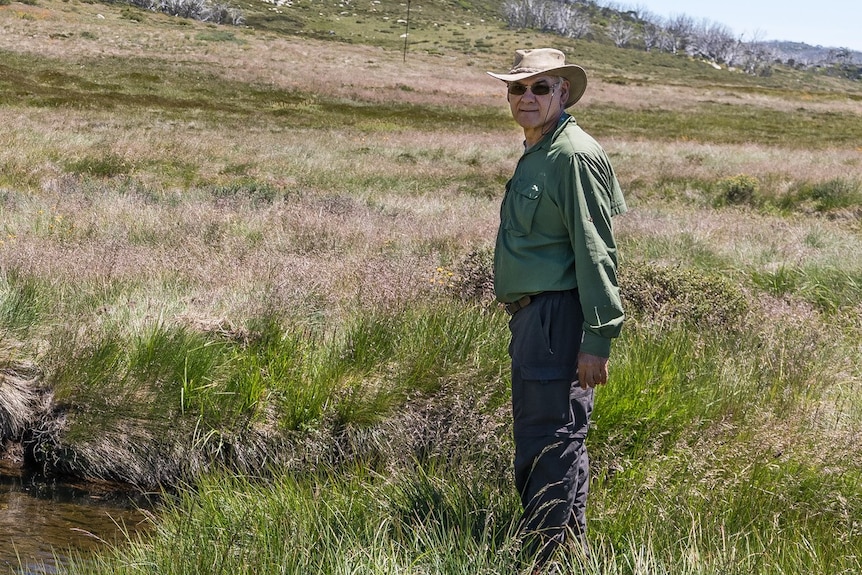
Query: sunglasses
[[538, 89]]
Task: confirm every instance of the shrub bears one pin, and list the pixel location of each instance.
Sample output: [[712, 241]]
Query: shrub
[[103, 166], [474, 277], [688, 296], [256, 192], [740, 189]]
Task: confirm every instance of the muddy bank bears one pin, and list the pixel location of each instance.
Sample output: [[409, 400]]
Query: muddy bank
[[36, 437], [155, 450]]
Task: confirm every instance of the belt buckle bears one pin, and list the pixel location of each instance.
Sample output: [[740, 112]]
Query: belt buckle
[[514, 307]]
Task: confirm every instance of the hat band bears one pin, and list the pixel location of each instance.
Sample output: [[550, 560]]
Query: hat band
[[525, 70]]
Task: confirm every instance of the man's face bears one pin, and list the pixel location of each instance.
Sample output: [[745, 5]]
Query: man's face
[[534, 111]]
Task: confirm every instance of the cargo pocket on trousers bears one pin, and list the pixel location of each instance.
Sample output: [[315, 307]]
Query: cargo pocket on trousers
[[541, 400]]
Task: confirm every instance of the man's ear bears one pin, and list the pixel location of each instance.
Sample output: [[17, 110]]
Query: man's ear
[[564, 91]]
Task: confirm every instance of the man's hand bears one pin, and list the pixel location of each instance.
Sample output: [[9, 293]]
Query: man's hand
[[592, 370]]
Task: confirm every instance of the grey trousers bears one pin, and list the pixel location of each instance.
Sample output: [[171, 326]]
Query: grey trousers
[[551, 417]]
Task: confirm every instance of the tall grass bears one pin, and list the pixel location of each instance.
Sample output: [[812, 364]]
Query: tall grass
[[20, 304], [349, 522], [439, 521], [698, 469], [231, 397]]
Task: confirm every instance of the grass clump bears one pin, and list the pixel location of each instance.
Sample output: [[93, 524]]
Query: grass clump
[[346, 522], [255, 192], [22, 301], [744, 516], [103, 165], [829, 288], [233, 396], [823, 197]]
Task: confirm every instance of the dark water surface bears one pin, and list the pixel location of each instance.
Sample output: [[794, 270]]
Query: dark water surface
[[42, 522]]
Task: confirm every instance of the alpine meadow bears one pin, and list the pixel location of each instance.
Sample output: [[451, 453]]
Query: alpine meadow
[[248, 266]]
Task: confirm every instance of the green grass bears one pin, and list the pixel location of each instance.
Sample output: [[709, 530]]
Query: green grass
[[824, 197], [21, 303], [676, 437], [726, 124], [263, 380], [830, 289], [771, 517], [347, 523]]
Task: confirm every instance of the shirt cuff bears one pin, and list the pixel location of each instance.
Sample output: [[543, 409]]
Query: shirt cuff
[[596, 345]]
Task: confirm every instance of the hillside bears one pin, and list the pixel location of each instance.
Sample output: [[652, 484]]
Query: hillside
[[438, 27], [354, 51]]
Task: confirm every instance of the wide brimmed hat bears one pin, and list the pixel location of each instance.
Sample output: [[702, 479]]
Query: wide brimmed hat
[[546, 62]]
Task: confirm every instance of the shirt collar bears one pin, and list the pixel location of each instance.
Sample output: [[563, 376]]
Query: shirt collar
[[564, 117]]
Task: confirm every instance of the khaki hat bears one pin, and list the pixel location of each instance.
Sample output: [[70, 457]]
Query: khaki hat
[[546, 62]]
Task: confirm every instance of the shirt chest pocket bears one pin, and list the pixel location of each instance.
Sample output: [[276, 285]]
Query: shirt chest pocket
[[519, 210]]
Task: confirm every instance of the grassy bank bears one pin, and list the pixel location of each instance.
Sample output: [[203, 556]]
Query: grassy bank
[[692, 475], [264, 287]]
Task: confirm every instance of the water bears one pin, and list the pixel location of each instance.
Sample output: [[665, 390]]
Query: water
[[42, 522]]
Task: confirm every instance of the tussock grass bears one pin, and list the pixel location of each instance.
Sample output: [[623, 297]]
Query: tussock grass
[[166, 403]]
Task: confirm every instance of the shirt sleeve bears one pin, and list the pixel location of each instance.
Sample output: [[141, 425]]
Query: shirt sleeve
[[588, 192]]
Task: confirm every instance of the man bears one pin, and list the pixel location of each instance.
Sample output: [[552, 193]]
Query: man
[[555, 270]]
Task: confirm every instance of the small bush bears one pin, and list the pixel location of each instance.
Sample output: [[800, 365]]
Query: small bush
[[217, 36], [686, 296], [257, 193], [739, 190], [103, 166], [473, 280]]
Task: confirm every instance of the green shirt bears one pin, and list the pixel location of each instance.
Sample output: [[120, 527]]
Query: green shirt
[[556, 233]]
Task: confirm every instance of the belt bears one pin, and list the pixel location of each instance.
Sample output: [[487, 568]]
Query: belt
[[513, 307]]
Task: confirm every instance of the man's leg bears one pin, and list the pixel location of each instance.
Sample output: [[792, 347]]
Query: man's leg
[[551, 416], [552, 478]]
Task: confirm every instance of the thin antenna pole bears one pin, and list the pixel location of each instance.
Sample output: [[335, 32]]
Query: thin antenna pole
[[406, 30]]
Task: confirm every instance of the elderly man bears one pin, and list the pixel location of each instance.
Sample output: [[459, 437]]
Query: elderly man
[[555, 269]]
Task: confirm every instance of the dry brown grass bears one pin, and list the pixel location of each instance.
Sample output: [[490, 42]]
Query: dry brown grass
[[55, 29], [332, 240], [652, 162]]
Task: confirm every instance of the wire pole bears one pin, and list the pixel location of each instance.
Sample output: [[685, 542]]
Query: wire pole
[[406, 30]]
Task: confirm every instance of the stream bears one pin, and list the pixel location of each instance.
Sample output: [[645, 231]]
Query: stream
[[43, 523]]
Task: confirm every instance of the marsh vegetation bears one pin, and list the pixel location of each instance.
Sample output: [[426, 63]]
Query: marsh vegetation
[[250, 267]]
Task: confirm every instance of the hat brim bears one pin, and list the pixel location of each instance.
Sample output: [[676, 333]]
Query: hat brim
[[576, 76]]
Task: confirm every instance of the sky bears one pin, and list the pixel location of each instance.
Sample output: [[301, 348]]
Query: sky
[[830, 23]]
